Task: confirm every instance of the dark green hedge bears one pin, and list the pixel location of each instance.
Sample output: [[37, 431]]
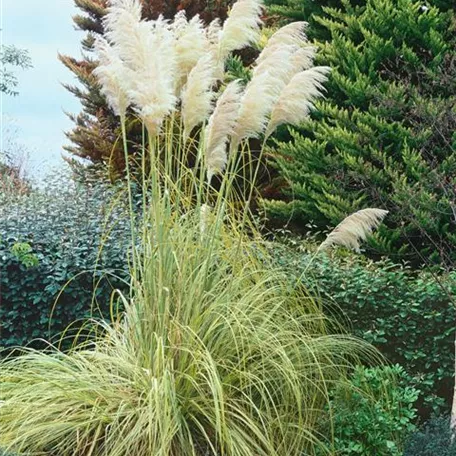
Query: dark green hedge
[[54, 240], [408, 315]]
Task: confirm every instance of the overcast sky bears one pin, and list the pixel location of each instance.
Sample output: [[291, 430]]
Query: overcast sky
[[45, 28]]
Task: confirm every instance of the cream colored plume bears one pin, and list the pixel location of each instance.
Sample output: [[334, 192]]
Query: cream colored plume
[[120, 22], [220, 127], [147, 50], [289, 35], [213, 31], [354, 228], [259, 98], [297, 98], [190, 45], [241, 28], [110, 72], [197, 95], [281, 63]]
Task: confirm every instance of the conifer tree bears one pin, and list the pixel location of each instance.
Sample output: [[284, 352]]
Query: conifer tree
[[96, 131], [385, 135]]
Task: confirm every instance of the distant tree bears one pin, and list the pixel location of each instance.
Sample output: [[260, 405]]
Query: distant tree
[[11, 57]]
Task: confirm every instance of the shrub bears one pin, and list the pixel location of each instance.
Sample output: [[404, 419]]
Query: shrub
[[375, 414], [384, 137], [409, 316], [59, 243], [434, 439]]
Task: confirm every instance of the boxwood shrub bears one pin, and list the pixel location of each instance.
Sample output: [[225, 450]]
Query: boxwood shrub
[[65, 244], [408, 315]]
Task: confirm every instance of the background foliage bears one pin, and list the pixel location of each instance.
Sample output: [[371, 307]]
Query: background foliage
[[384, 137], [433, 439], [50, 240], [375, 414], [409, 316]]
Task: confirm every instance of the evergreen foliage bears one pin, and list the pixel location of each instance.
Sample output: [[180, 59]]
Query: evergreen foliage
[[97, 130], [385, 135]]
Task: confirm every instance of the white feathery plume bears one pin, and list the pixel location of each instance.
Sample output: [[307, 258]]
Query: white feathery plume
[[197, 95], [213, 31], [146, 49], [296, 99], [303, 58], [289, 35], [179, 22], [190, 45], [241, 28], [220, 127], [281, 63], [259, 98], [121, 24], [111, 74], [153, 91], [354, 228]]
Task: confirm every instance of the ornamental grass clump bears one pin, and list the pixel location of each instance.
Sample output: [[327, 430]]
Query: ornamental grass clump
[[213, 353]]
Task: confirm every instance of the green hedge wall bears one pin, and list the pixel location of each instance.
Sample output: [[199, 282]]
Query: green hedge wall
[[409, 316], [52, 240]]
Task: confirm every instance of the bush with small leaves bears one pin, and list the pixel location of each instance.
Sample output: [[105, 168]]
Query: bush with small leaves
[[58, 245], [408, 315], [375, 414]]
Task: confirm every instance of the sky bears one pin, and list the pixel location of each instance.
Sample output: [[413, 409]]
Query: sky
[[44, 28]]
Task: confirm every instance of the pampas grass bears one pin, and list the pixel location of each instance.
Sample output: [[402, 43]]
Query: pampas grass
[[289, 35], [297, 98], [197, 95], [112, 76], [259, 98], [354, 228], [190, 45], [220, 127], [241, 28], [214, 352]]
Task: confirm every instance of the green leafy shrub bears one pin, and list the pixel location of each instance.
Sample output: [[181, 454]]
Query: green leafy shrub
[[384, 137], [375, 414], [433, 439], [63, 241], [409, 316]]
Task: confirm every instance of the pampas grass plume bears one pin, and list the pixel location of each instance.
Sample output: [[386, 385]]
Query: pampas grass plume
[[190, 45], [354, 228], [197, 94], [111, 74], [297, 98], [289, 35], [242, 27], [258, 100], [220, 127]]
